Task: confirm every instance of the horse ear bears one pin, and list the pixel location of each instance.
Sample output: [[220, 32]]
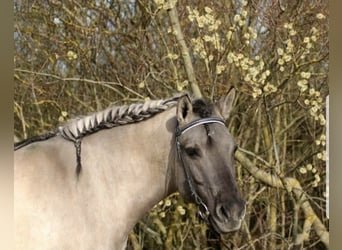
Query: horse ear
[[184, 110], [225, 103]]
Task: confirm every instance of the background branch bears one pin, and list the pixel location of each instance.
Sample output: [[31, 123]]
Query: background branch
[[177, 31], [291, 185]]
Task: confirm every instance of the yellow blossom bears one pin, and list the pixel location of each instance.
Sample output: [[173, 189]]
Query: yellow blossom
[[324, 155], [319, 155], [159, 3], [320, 16], [313, 38], [246, 35], [289, 46], [220, 69], [240, 56], [312, 91], [302, 170], [208, 38], [71, 55], [302, 82], [306, 39], [309, 167], [305, 75], [314, 109], [247, 77], [229, 35], [141, 85], [241, 23], [292, 33], [287, 58], [230, 57], [244, 3], [314, 30], [281, 61], [172, 56], [208, 10], [181, 210], [269, 88], [237, 18], [168, 203], [280, 51]]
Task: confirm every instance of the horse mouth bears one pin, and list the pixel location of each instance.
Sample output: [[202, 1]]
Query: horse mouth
[[226, 226]]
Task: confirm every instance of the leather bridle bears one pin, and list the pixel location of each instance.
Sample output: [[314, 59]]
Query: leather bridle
[[178, 133]]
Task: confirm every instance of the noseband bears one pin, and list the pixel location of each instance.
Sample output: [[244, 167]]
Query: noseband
[[178, 133]]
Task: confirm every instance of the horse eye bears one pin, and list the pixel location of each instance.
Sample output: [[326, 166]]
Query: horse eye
[[192, 152]]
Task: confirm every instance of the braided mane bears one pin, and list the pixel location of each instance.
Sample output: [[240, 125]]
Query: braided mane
[[113, 117]]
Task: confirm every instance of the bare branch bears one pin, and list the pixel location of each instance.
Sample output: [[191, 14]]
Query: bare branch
[[185, 51], [291, 185]]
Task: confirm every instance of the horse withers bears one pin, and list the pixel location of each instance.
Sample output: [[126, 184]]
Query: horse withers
[[127, 159]]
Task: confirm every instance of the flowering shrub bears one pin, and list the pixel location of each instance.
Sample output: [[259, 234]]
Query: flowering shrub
[[75, 58]]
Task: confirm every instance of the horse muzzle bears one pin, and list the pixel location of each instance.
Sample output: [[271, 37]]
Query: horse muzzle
[[228, 217]]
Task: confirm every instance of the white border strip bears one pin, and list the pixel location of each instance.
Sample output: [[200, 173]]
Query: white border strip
[[327, 155]]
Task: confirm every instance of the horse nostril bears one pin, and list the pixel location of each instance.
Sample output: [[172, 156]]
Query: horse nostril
[[222, 212], [232, 212]]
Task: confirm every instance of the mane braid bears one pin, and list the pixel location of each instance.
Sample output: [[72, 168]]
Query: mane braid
[[36, 138], [115, 116]]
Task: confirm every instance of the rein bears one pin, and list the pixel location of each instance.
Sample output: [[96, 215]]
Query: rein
[[178, 133]]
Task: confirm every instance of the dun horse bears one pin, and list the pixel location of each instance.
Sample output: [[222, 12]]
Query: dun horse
[[87, 184]]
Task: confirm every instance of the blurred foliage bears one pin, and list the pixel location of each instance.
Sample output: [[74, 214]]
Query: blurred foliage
[[75, 57]]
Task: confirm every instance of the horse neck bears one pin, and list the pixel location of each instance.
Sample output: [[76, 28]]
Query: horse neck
[[138, 160]]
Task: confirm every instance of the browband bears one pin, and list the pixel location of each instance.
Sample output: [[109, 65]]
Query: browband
[[198, 122]]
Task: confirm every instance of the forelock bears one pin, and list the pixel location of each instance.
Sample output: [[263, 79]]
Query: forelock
[[203, 108]]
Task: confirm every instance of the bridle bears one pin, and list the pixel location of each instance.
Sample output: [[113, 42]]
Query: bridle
[[178, 133]]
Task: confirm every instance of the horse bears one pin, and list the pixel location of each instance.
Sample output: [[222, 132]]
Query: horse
[[127, 159]]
